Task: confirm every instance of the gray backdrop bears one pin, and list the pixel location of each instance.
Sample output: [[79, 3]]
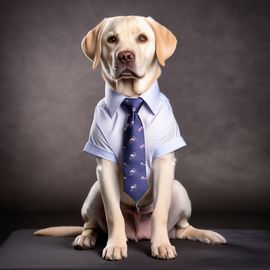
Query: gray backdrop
[[217, 80]]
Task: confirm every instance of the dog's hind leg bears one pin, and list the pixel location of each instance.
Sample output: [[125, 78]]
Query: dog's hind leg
[[183, 230], [180, 209], [205, 236], [93, 216]]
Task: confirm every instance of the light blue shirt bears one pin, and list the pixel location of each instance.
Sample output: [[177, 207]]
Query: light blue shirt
[[161, 131]]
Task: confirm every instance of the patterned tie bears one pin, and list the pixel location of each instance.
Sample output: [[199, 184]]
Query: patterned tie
[[135, 180]]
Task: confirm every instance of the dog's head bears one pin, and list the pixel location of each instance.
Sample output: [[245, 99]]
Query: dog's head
[[128, 46]]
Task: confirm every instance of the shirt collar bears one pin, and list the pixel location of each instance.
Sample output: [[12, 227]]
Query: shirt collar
[[151, 97]]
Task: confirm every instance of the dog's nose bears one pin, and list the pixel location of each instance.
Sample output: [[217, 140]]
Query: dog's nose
[[126, 57]]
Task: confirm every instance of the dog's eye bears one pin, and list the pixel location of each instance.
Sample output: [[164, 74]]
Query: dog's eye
[[112, 39], [142, 38]]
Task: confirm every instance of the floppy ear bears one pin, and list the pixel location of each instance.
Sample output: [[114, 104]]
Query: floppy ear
[[165, 41], [91, 44]]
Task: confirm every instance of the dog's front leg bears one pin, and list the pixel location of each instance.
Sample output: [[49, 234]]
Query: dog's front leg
[[107, 174], [163, 173]]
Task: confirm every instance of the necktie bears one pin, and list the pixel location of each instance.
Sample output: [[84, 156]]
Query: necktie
[[135, 180]]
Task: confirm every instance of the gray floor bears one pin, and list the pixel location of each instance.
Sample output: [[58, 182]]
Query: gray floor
[[246, 249]]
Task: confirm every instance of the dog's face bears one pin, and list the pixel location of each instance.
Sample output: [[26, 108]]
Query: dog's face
[[129, 48]]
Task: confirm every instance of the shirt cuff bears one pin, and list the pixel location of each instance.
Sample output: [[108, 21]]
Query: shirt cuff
[[169, 147], [97, 151]]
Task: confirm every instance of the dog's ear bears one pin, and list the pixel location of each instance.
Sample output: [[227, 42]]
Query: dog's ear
[[91, 43], [165, 41]]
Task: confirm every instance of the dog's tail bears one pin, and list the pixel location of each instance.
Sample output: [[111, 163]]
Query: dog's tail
[[60, 231]]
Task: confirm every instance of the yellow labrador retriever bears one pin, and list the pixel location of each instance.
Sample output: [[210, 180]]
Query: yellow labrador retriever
[[131, 50]]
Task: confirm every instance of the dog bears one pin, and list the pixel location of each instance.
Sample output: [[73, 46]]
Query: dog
[[132, 50]]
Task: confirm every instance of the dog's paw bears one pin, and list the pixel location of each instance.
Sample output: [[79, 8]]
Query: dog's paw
[[86, 240], [205, 236], [164, 252], [114, 253]]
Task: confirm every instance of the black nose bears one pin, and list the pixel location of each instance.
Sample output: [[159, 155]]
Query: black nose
[[126, 57]]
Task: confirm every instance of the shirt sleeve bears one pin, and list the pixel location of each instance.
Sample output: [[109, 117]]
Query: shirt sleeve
[[170, 139], [97, 144]]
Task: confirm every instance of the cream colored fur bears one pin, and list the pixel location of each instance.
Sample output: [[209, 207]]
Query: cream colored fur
[[108, 192]]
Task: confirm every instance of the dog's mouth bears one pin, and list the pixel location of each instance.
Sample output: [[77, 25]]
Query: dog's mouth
[[126, 72]]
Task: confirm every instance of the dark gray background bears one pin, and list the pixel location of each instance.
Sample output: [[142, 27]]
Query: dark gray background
[[217, 81]]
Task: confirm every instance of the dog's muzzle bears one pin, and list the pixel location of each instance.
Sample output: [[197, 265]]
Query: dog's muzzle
[[125, 67]]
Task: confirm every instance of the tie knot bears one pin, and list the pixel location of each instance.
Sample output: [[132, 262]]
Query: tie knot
[[132, 105]]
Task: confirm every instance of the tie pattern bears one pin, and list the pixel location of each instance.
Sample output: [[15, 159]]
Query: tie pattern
[[135, 180]]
